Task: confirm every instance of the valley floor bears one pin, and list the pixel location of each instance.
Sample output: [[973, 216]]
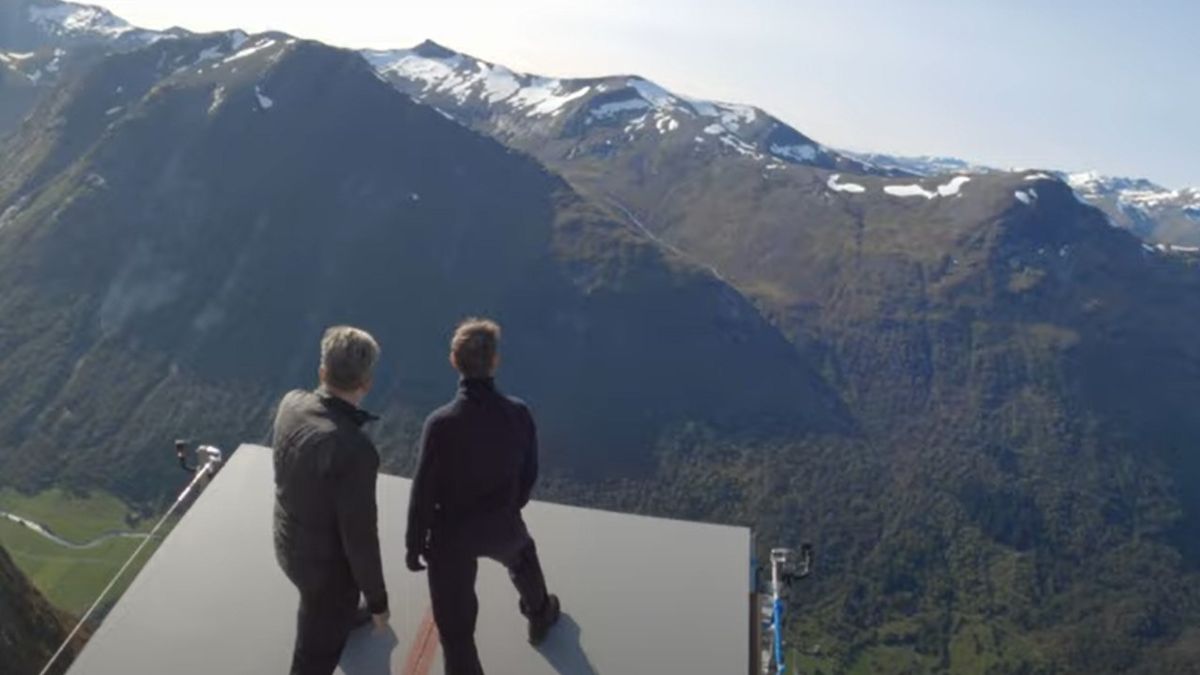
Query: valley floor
[[85, 541]]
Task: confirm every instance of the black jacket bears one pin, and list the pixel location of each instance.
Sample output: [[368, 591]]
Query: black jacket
[[325, 474], [479, 457]]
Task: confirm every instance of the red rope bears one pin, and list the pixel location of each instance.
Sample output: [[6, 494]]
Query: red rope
[[424, 648]]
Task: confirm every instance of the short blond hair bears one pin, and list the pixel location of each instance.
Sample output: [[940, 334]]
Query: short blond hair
[[474, 347], [348, 356]]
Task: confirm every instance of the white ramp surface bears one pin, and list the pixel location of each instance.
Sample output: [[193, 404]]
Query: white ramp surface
[[640, 595]]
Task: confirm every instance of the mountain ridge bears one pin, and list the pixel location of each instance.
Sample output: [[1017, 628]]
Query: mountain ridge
[[446, 75], [1172, 218]]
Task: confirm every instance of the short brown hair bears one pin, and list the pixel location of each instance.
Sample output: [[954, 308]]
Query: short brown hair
[[348, 356], [474, 347]]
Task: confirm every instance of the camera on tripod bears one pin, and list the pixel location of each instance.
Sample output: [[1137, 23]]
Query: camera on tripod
[[209, 459]]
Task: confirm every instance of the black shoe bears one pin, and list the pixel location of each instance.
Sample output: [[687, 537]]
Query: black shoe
[[541, 623]]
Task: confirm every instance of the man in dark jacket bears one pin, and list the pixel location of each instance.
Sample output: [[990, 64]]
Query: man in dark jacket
[[326, 535], [478, 466]]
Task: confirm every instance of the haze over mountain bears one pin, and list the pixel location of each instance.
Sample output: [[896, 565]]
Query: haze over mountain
[[970, 390]]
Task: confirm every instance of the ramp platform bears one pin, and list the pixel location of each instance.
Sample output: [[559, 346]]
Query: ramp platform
[[640, 595]]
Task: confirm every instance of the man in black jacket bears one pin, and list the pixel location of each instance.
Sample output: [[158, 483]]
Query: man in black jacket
[[326, 535], [478, 466]]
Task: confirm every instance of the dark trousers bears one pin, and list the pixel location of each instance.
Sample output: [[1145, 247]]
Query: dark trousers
[[453, 565], [328, 602]]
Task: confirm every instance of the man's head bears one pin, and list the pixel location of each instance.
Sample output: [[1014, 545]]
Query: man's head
[[475, 348], [348, 357]]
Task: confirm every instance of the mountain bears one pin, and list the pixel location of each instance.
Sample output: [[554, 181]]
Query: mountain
[[580, 127], [183, 221], [30, 630], [970, 391], [33, 25], [925, 166], [41, 40], [1023, 371], [1167, 219], [592, 116], [1170, 218]]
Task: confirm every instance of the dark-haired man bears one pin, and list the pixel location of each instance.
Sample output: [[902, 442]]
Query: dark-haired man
[[477, 468]]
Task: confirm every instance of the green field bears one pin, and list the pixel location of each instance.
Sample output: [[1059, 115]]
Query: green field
[[71, 579]]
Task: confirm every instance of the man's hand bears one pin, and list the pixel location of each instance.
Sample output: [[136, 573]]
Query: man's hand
[[413, 560], [380, 622]]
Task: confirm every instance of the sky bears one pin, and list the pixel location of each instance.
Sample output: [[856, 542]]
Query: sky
[[1063, 84]]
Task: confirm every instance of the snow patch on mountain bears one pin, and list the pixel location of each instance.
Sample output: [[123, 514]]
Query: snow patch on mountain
[[452, 74], [461, 78], [251, 50], [665, 124], [834, 184], [1026, 197], [217, 99], [15, 57], [546, 96], [734, 116], [652, 93], [953, 187], [1170, 248], [1094, 183], [407, 63], [263, 101], [909, 191], [499, 83], [740, 146]]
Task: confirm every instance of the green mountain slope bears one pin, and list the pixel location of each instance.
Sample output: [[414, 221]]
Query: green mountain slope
[[30, 631]]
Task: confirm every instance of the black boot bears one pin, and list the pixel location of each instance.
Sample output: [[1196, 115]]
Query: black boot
[[541, 622]]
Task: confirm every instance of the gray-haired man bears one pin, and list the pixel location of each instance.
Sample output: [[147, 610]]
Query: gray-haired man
[[326, 533]]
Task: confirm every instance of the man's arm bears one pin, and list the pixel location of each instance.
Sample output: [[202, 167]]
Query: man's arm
[[358, 522], [422, 498], [529, 468]]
